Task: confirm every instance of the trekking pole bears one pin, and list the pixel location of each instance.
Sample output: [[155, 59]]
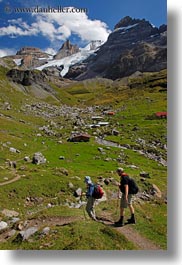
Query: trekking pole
[[82, 205], [118, 200]]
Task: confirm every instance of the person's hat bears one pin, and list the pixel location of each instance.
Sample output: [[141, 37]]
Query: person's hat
[[88, 180], [120, 169]]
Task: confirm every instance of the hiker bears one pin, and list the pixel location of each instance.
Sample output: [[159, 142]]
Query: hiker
[[90, 199], [126, 198]]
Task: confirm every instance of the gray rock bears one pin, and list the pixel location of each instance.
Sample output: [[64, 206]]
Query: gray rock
[[27, 158], [144, 175], [12, 149], [24, 235], [3, 225], [46, 230], [70, 185], [156, 191], [61, 158], [78, 192], [100, 149], [9, 213], [38, 158]]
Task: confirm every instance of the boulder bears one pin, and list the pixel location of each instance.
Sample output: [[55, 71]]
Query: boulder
[[3, 225], [9, 213], [144, 175], [38, 158], [156, 191], [25, 234], [78, 192]]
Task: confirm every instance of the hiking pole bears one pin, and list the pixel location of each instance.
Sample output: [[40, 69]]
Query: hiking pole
[[118, 200], [82, 205]]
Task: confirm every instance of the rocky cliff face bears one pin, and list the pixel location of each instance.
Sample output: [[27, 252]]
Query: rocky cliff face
[[134, 45], [30, 57], [67, 49], [29, 78]]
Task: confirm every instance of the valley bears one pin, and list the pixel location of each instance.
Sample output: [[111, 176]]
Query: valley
[[42, 191], [84, 112]]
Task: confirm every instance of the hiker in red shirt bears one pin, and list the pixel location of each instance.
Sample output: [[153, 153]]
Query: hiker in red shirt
[[126, 199]]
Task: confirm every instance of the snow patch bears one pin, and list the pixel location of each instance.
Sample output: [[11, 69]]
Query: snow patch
[[125, 28], [17, 61], [73, 59]]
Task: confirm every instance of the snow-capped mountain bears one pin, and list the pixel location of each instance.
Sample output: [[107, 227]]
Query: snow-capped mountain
[[73, 59], [134, 45]]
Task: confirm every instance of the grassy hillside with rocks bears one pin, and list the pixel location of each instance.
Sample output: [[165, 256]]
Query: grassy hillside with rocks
[[41, 170]]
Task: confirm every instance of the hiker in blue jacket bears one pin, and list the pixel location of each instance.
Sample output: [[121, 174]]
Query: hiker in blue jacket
[[90, 200]]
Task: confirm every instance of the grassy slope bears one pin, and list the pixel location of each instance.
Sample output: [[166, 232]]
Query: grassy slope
[[132, 106]]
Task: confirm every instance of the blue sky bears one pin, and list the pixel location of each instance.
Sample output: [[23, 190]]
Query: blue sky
[[49, 30]]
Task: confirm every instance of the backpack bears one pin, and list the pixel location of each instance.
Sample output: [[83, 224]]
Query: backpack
[[133, 188], [98, 192]]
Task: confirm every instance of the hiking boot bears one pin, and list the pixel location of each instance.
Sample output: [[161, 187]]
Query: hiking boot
[[119, 223], [131, 221]]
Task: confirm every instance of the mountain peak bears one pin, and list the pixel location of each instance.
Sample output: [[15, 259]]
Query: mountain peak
[[66, 49], [128, 21]]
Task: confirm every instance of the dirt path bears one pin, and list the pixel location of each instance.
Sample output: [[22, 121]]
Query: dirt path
[[132, 235], [138, 240], [128, 231], [17, 177], [53, 221]]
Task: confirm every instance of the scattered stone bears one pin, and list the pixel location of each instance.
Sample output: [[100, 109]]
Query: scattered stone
[[115, 132], [135, 128], [144, 175], [133, 166], [61, 171], [70, 185], [24, 235], [15, 220], [78, 192], [61, 158], [156, 191], [14, 150], [100, 149], [27, 159], [108, 159], [3, 225], [46, 230], [106, 181], [20, 226], [9, 213], [38, 159], [11, 233]]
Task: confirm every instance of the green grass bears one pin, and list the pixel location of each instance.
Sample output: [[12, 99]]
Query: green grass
[[49, 184], [76, 236], [152, 222]]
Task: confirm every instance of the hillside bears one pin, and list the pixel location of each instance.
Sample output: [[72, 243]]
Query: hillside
[[38, 209]]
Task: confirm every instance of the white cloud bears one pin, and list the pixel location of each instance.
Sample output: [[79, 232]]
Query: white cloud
[[5, 52], [77, 23], [58, 26]]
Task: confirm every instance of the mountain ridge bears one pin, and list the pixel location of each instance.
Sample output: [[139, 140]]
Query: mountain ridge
[[134, 45]]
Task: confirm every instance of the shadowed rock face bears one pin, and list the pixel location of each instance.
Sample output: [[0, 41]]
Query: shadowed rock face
[[134, 45]]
